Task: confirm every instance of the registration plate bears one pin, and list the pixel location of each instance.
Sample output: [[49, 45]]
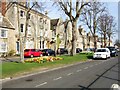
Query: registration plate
[[98, 55]]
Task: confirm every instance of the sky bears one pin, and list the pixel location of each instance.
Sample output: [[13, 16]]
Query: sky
[[112, 8], [54, 13]]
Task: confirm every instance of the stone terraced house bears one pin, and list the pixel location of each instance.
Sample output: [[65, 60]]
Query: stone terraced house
[[39, 33]]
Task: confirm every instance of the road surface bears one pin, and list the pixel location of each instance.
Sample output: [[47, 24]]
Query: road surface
[[91, 74]]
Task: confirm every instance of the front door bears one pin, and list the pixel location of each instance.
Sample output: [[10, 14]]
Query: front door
[[18, 47]]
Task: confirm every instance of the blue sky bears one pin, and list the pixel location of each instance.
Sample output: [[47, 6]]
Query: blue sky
[[113, 10]]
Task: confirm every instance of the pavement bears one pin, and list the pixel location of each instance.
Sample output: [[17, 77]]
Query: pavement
[[11, 59]]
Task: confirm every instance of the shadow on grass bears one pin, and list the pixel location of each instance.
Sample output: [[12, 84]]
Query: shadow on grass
[[90, 57], [10, 60]]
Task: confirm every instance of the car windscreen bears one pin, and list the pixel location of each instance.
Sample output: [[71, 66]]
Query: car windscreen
[[26, 50], [44, 50], [111, 48], [101, 50]]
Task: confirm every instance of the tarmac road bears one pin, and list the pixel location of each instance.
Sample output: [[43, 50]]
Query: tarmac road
[[91, 74]]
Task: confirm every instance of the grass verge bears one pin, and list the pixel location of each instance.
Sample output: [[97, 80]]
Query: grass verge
[[12, 69]]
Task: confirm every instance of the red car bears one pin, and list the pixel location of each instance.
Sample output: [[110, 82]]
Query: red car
[[32, 53]]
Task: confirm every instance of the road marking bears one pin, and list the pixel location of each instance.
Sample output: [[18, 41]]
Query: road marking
[[41, 84], [57, 78], [86, 68], [69, 74], [79, 70]]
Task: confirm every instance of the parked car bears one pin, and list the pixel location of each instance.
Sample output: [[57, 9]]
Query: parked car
[[32, 53], [103, 53], [118, 49], [88, 50], [48, 52], [78, 50], [113, 51], [62, 51]]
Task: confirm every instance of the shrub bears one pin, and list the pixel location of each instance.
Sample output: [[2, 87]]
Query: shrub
[[11, 53], [3, 54]]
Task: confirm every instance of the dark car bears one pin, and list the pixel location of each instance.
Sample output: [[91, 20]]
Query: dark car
[[78, 50], [113, 51], [62, 51], [48, 52]]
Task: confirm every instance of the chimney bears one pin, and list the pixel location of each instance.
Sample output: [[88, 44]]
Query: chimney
[[46, 13], [3, 5]]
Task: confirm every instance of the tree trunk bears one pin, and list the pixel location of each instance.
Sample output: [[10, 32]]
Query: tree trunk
[[109, 40], [65, 46], [83, 39], [95, 43], [74, 28], [104, 40], [20, 38]]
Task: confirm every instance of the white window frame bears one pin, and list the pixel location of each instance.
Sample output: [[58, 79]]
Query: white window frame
[[29, 29], [3, 44], [6, 32]]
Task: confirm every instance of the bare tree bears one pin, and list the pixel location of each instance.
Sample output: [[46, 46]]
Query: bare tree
[[65, 32], [73, 10], [112, 28], [90, 16], [106, 27]]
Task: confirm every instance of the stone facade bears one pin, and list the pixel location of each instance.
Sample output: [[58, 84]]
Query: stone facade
[[7, 36], [38, 28]]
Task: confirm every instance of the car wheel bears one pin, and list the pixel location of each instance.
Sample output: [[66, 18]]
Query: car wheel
[[48, 54], [31, 56], [41, 55]]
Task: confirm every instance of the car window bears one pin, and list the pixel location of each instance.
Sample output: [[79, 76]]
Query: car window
[[37, 50], [26, 50], [43, 50], [101, 50], [33, 50]]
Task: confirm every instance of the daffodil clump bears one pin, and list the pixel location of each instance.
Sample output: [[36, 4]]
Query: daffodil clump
[[43, 59]]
